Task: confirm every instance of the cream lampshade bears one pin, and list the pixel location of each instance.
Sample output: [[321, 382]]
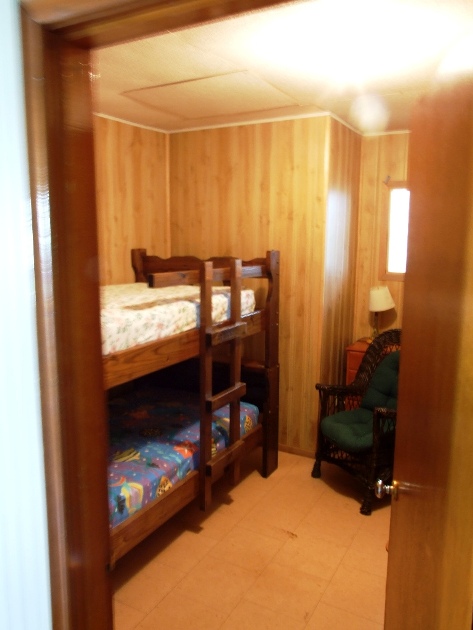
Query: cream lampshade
[[380, 300]]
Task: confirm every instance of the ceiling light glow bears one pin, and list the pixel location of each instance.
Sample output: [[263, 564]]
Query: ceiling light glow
[[347, 43], [458, 61], [369, 113]]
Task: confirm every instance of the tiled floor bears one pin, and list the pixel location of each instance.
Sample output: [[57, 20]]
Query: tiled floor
[[284, 553]]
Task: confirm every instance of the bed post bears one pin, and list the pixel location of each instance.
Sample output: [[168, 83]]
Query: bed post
[[137, 256], [271, 408]]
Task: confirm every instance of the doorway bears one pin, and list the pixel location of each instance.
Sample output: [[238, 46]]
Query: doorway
[[79, 573]]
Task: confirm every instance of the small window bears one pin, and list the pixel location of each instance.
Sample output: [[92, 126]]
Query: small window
[[393, 250], [397, 230]]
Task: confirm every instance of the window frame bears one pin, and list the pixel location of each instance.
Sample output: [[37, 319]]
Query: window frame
[[384, 274]]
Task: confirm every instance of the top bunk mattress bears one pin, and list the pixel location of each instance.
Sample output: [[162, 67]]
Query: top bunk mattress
[[133, 314]]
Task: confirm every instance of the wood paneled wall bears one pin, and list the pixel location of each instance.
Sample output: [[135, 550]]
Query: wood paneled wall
[[340, 249], [289, 185], [242, 190], [381, 156], [132, 195]]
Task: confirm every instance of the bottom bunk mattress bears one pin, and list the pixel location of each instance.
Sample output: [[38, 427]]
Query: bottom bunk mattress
[[154, 443]]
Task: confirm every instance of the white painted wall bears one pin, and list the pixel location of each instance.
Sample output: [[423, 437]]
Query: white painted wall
[[24, 563]]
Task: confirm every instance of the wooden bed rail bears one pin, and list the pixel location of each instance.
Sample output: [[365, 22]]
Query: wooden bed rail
[[193, 276], [220, 274], [144, 265]]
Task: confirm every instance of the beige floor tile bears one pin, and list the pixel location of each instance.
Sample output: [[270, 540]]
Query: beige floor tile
[[301, 472], [248, 615], [368, 552], [146, 551], [287, 591], [125, 617], [341, 486], [301, 495], [286, 461], [147, 588], [380, 518], [229, 503], [216, 583], [185, 551], [215, 523], [357, 592], [247, 549], [178, 613], [334, 524], [375, 563], [285, 552], [337, 512], [272, 518], [314, 556], [329, 618], [247, 493], [341, 498]]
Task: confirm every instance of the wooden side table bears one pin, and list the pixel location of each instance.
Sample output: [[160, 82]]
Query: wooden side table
[[354, 355]]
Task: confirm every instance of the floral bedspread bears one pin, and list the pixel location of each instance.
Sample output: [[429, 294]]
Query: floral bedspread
[[133, 314], [154, 442]]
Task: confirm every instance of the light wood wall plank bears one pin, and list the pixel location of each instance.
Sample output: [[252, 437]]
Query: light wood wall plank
[[343, 174], [242, 190], [382, 156], [132, 195]]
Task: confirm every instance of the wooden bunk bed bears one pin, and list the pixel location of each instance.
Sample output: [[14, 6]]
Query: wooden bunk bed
[[202, 344]]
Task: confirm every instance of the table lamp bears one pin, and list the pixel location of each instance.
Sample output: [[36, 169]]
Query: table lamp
[[380, 300]]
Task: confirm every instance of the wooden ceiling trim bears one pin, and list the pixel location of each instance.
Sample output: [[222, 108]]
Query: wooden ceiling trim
[[142, 18]]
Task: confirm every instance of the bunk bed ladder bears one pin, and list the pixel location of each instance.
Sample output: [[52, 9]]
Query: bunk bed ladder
[[211, 336]]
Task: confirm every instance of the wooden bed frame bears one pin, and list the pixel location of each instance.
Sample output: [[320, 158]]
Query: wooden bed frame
[[127, 365]]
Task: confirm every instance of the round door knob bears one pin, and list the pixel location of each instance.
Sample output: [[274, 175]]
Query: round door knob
[[381, 489]]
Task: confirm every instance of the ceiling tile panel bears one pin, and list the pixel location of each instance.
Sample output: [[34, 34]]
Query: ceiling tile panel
[[228, 94], [303, 56]]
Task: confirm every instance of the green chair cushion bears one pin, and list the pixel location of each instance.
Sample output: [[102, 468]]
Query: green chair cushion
[[382, 390], [353, 430]]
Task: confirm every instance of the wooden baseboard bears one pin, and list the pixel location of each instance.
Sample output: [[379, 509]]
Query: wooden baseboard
[[296, 451]]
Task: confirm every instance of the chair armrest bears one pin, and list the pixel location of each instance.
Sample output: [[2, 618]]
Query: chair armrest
[[332, 389], [335, 398]]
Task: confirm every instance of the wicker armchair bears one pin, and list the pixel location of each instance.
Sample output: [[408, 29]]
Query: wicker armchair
[[371, 457]]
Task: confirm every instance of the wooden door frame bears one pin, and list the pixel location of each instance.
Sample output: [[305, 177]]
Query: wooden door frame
[[61, 157]]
